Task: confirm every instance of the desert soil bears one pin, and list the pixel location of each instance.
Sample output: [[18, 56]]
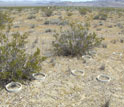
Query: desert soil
[[61, 88]]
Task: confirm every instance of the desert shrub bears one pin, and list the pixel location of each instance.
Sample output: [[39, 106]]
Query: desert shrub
[[31, 17], [103, 16], [19, 9], [32, 26], [4, 20], [100, 16], [56, 22], [83, 11], [75, 41], [48, 11], [47, 22], [48, 30], [15, 63], [96, 17], [69, 13], [120, 14]]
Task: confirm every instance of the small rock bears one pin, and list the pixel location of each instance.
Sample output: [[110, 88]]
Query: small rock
[[113, 41], [16, 26], [104, 45], [31, 17], [98, 29], [32, 26], [122, 40], [102, 67], [100, 23], [120, 25], [48, 30], [84, 61], [110, 26]]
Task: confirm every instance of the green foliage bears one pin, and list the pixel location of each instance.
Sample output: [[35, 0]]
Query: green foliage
[[75, 41], [69, 13], [15, 63], [31, 17], [100, 16], [48, 11], [4, 20], [83, 11]]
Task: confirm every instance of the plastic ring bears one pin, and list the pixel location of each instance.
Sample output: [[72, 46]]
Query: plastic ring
[[104, 76], [13, 84], [36, 74], [75, 72]]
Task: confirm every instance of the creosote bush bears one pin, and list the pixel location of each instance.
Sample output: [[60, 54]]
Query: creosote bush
[[4, 20], [48, 11], [69, 13], [83, 11], [100, 16], [15, 63], [75, 41]]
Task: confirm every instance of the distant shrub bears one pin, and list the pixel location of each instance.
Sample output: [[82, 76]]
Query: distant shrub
[[48, 11], [4, 20], [83, 11], [19, 9], [96, 17], [100, 16], [75, 41], [31, 17], [56, 22], [47, 22], [48, 30], [69, 13]]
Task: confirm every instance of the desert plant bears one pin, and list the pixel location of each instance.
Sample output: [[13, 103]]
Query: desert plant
[[103, 16], [107, 104], [83, 11], [31, 17], [96, 17], [100, 16], [48, 11], [69, 13], [75, 41], [15, 63], [56, 22], [4, 20]]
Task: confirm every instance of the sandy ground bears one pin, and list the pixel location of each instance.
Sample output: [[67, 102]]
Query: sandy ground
[[61, 88]]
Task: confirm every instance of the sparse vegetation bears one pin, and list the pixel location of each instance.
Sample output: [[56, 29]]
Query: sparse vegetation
[[83, 11], [75, 41], [15, 63], [5, 20], [31, 17], [100, 16], [107, 104], [48, 11], [56, 22], [69, 13], [74, 48]]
